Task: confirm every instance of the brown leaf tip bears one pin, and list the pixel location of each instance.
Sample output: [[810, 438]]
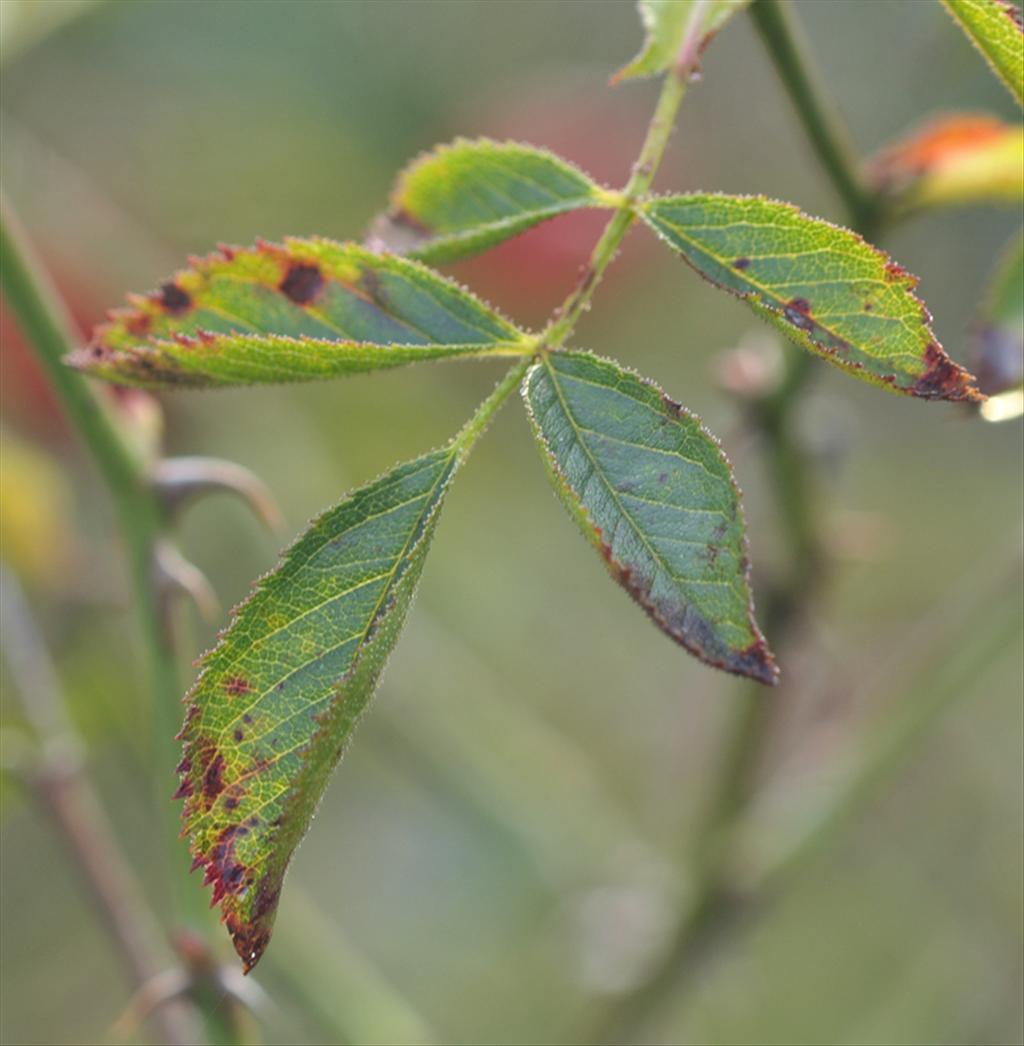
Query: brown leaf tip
[[945, 380], [756, 662]]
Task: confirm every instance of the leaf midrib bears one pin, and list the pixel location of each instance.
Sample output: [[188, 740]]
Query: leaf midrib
[[655, 555]]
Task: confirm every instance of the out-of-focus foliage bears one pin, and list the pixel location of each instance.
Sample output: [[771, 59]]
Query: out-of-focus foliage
[[999, 337], [953, 161], [996, 30]]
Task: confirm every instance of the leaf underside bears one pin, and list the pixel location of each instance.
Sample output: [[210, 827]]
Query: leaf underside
[[307, 309], [667, 27], [994, 27], [653, 492], [821, 285], [464, 197], [280, 695]]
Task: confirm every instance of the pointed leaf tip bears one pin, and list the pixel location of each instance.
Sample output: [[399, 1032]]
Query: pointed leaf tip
[[653, 492]]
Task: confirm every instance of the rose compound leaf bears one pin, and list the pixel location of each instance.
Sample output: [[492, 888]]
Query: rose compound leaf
[[994, 27], [676, 31], [280, 695], [999, 334], [653, 492], [300, 311], [959, 159], [465, 197], [821, 285]]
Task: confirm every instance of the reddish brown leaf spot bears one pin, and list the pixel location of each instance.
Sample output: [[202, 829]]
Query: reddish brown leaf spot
[[213, 779], [237, 734], [798, 312], [741, 263], [139, 323], [174, 300], [235, 686], [302, 283], [227, 874]]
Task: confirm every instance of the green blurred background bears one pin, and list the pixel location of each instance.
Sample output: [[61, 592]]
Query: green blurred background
[[506, 842]]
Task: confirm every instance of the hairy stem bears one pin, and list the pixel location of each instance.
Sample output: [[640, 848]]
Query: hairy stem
[[658, 133], [43, 320], [484, 414]]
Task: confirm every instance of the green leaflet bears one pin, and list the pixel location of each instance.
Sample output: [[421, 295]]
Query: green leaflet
[[462, 198], [279, 696], [295, 312], [999, 333], [671, 24], [821, 285], [652, 491], [994, 27]]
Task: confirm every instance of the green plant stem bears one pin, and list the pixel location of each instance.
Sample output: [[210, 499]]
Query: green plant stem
[[44, 322], [565, 318], [658, 133], [784, 39], [484, 414]]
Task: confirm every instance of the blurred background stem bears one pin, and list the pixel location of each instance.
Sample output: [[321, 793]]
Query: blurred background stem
[[58, 776], [791, 469], [48, 330]]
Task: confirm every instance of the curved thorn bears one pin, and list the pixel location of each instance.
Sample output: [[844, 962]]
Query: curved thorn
[[175, 575], [159, 990], [243, 990], [180, 480]]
